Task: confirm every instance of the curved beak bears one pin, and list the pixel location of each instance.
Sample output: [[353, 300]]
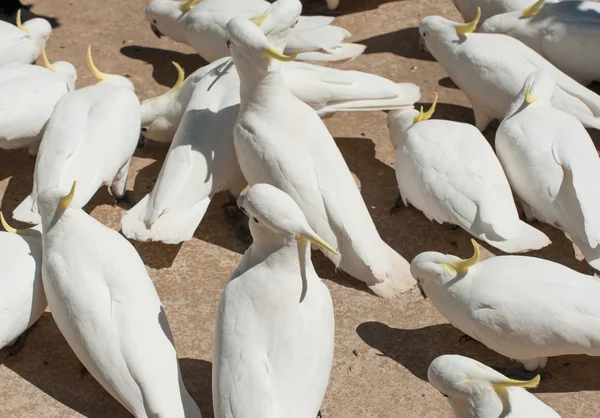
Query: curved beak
[[156, 31]]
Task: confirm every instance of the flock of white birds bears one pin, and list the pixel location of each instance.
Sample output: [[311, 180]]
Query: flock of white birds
[[250, 123]]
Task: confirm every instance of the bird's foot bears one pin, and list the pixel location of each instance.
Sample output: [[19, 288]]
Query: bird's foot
[[465, 338], [19, 343], [398, 204], [141, 142]]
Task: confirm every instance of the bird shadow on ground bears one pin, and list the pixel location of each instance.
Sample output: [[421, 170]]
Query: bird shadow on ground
[[346, 7], [163, 72], [197, 376], [48, 363], [448, 83], [416, 348], [404, 42], [9, 13]]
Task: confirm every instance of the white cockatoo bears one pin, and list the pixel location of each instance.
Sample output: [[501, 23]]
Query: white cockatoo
[[202, 161], [28, 94], [22, 298], [201, 24], [566, 33], [105, 305], [468, 8], [449, 172], [549, 159], [280, 140], [491, 68], [274, 336], [525, 308], [90, 138], [23, 43], [476, 390]]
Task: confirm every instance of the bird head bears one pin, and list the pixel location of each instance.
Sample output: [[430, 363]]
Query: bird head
[[52, 203], [38, 29], [435, 269], [279, 20], [399, 121], [462, 378], [166, 18], [64, 69], [436, 30], [539, 87], [273, 212], [101, 77], [250, 47]]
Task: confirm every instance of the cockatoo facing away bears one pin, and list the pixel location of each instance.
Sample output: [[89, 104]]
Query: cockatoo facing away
[[201, 24], [275, 327], [476, 390], [491, 69], [105, 305], [448, 171], [90, 138], [23, 43], [281, 141], [21, 124], [550, 159], [557, 308]]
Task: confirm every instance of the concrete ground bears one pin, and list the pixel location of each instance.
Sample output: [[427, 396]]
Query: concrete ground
[[383, 347]]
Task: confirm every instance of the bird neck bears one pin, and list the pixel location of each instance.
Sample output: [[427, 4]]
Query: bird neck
[[257, 76]]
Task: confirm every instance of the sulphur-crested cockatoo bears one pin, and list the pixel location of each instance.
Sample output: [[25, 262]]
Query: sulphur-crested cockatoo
[[525, 308], [491, 69], [280, 140], [106, 307], [28, 94], [90, 138], [476, 390], [449, 172], [22, 298], [273, 347], [468, 8], [23, 43], [202, 160], [566, 33], [549, 159], [201, 24]]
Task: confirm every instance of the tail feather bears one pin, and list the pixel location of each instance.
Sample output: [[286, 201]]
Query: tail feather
[[528, 239], [26, 212], [396, 279], [171, 228], [341, 53]]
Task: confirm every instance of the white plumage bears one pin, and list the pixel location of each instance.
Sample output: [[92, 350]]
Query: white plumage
[[28, 94], [448, 171], [281, 141], [525, 308], [202, 161], [550, 161], [476, 390], [274, 337], [202, 26], [106, 307], [23, 43], [468, 8], [491, 69], [566, 33], [22, 298], [90, 138]]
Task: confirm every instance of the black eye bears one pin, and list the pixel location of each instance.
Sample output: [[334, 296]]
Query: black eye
[[228, 43], [255, 220], [154, 21]]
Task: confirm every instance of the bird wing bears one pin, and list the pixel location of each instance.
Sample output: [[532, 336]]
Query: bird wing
[[461, 172], [328, 90], [314, 33], [92, 134], [524, 300]]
